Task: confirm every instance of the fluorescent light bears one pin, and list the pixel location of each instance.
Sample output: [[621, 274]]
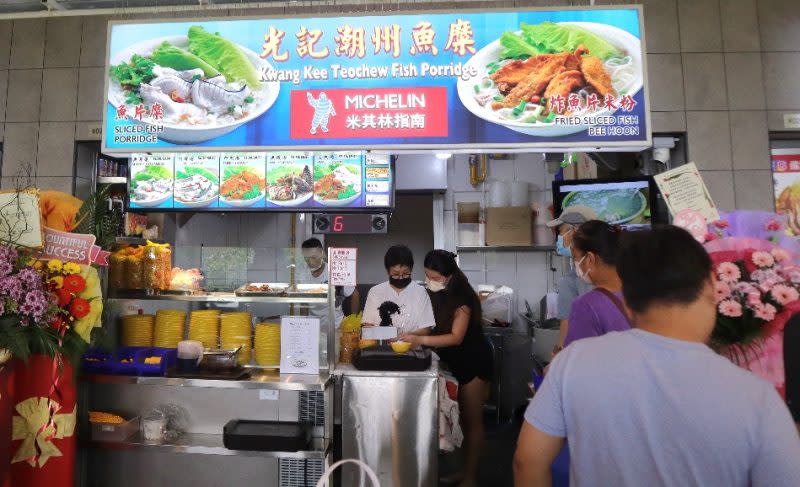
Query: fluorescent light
[[444, 155]]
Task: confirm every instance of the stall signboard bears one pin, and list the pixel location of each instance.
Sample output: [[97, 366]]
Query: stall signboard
[[260, 181], [466, 80], [786, 180]]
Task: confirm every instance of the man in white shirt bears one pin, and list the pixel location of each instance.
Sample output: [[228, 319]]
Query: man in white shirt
[[314, 257], [416, 311]]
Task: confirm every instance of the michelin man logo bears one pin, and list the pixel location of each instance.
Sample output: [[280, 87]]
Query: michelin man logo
[[323, 111]]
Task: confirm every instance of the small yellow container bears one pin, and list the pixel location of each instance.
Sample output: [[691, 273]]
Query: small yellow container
[[401, 347]]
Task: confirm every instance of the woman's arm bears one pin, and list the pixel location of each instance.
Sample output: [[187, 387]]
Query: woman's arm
[[455, 337], [371, 316]]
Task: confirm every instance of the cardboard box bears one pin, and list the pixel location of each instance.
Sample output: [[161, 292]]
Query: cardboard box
[[508, 226]]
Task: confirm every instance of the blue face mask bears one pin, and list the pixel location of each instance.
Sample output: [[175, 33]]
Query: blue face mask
[[560, 249]]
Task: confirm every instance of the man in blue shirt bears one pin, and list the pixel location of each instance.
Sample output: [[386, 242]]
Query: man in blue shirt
[[654, 406], [570, 286]]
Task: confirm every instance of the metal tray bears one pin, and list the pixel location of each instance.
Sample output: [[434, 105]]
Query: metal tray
[[276, 289], [307, 291]]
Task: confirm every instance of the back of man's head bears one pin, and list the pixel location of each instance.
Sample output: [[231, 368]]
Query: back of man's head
[[664, 266]]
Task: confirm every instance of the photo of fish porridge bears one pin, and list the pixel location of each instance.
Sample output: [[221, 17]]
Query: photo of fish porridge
[[196, 87]]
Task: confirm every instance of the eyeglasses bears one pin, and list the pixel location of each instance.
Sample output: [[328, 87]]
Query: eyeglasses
[[399, 276]]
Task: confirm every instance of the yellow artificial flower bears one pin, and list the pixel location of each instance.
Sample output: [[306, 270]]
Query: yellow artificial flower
[[71, 268], [58, 281], [94, 295], [38, 265], [55, 265]]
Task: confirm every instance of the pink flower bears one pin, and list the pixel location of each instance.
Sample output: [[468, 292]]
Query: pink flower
[[766, 312], [754, 300], [709, 237], [745, 288], [722, 224], [784, 294], [723, 290], [730, 308], [763, 259], [774, 225], [781, 255], [729, 272]]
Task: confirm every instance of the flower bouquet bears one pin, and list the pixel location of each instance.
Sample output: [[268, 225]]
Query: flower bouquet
[[757, 290]]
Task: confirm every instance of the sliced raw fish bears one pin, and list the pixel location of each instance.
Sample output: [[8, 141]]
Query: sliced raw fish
[[170, 84], [216, 99], [188, 75], [172, 109]]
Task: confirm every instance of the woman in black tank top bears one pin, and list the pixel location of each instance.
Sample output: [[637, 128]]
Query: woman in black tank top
[[459, 341]]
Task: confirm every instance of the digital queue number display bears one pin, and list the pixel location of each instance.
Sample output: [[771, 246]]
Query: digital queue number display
[[350, 223]]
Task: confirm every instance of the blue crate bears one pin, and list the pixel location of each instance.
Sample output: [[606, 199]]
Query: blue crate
[[169, 357], [102, 362]]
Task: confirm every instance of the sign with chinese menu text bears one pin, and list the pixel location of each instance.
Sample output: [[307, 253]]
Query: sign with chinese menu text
[[471, 80], [248, 181], [342, 263]]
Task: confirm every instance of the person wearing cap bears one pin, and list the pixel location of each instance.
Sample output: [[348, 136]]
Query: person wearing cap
[[570, 287]]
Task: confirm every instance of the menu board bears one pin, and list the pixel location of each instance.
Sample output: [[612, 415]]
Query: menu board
[[196, 180], [151, 181], [252, 181], [243, 180]]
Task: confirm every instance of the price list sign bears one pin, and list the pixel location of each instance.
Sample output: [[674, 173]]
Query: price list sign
[[342, 264]]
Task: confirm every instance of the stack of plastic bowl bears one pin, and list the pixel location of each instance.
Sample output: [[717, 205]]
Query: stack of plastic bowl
[[169, 329], [137, 330], [268, 344], [204, 327], [236, 331]]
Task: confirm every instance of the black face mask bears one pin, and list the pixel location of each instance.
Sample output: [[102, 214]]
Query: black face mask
[[400, 283]]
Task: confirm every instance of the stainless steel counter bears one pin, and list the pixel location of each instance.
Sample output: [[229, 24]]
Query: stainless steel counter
[[390, 421]]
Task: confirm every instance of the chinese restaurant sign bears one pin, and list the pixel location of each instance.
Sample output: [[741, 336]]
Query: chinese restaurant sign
[[786, 181], [470, 80]]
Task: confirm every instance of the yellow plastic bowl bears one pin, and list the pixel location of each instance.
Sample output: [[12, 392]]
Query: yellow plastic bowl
[[401, 347], [364, 343]]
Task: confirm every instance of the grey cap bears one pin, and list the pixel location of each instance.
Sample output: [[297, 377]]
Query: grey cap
[[574, 215]]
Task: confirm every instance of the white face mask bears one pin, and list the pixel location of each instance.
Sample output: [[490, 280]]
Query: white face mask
[[434, 286], [580, 273]]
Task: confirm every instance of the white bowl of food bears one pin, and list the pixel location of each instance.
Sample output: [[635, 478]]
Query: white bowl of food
[[242, 203], [187, 121], [477, 93]]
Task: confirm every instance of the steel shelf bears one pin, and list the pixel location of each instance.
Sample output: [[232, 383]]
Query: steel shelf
[[496, 248], [217, 297], [259, 379], [112, 180], [204, 444]]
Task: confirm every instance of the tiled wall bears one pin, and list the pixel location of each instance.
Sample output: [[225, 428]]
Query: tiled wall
[[528, 273], [724, 71]]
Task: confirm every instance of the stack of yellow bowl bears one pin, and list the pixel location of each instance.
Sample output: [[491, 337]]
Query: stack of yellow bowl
[[137, 330], [204, 327], [169, 327], [236, 331], [268, 344]]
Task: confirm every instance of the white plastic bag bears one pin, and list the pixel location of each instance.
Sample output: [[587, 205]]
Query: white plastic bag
[[498, 305], [326, 475]]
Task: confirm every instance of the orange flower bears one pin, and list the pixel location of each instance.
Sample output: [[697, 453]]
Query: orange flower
[[80, 308], [74, 283]]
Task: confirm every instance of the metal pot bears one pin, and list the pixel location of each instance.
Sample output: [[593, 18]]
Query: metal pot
[[221, 360]]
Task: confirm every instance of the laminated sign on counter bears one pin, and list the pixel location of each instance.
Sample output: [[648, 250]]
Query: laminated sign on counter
[[300, 345]]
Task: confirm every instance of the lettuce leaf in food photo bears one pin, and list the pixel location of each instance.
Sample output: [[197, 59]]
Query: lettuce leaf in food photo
[[223, 55], [567, 38], [174, 57]]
